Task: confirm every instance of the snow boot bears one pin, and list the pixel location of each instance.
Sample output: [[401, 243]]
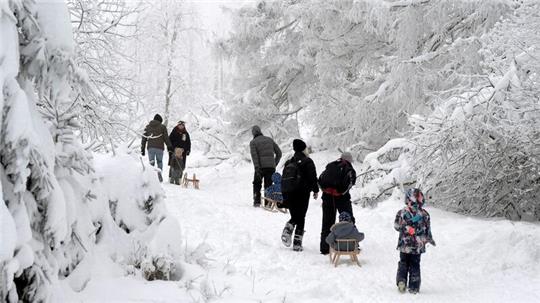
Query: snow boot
[[297, 243], [287, 234], [401, 286], [413, 291], [160, 177], [256, 199]]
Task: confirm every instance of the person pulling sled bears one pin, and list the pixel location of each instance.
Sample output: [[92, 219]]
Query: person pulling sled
[[298, 181]]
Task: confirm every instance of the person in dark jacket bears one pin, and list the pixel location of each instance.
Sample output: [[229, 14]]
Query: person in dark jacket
[[337, 199], [180, 139], [298, 200], [265, 154], [154, 138], [414, 226], [345, 229]]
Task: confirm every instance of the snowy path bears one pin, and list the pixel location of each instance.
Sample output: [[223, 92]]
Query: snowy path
[[475, 260]]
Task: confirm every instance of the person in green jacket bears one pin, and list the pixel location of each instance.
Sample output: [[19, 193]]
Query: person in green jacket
[[154, 139]]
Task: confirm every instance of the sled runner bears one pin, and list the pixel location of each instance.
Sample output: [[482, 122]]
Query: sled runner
[[344, 247], [194, 181], [272, 205]]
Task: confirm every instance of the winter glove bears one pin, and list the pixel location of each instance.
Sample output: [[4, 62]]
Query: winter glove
[[188, 152], [142, 152], [410, 230]]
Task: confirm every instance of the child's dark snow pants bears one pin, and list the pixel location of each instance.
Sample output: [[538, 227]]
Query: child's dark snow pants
[[409, 265]]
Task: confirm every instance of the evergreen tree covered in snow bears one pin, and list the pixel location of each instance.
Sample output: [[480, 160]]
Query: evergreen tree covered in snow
[[39, 149], [479, 151], [54, 209]]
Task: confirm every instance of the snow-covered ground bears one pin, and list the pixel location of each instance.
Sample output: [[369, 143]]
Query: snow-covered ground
[[476, 260]]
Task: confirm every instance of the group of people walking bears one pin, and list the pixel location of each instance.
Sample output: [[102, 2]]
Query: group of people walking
[[299, 181], [154, 140]]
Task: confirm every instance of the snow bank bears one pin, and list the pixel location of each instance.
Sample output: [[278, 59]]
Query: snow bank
[[232, 252], [7, 233], [132, 190]]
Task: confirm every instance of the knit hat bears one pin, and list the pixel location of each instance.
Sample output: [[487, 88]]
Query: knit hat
[[345, 216], [158, 118], [298, 145], [256, 130], [347, 157]]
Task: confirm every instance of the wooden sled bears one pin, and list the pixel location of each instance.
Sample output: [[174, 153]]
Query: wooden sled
[[272, 205], [351, 250], [194, 181]]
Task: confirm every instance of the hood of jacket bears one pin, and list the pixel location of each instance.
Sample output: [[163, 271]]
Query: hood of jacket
[[343, 229], [154, 128], [154, 123], [256, 131]]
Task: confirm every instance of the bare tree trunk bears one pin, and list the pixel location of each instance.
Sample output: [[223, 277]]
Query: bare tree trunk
[[168, 94], [221, 75]]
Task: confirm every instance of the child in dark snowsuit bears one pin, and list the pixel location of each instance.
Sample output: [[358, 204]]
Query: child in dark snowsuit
[[413, 225], [345, 229], [274, 191], [177, 166]]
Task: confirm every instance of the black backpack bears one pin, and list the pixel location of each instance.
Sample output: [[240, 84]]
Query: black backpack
[[291, 177], [335, 176]]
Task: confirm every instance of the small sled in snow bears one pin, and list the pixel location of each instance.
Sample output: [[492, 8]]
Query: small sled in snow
[[344, 247], [272, 205], [194, 181]]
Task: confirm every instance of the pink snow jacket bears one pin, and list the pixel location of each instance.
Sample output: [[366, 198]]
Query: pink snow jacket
[[414, 230]]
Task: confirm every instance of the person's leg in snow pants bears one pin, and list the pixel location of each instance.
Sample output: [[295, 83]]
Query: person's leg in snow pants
[[330, 206], [184, 160], [298, 206], [409, 267], [257, 183]]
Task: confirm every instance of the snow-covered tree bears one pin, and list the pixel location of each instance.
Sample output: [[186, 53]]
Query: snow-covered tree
[[351, 71], [39, 149], [54, 209], [102, 32], [479, 151], [169, 60]]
